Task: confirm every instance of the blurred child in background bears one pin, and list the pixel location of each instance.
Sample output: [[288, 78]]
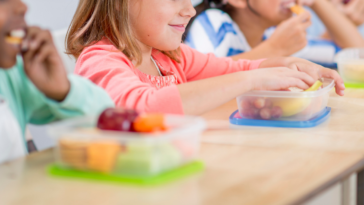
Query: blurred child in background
[[34, 87], [133, 50], [238, 29]]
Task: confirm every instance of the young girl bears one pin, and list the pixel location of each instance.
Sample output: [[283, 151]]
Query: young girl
[[34, 88], [238, 28], [134, 51]]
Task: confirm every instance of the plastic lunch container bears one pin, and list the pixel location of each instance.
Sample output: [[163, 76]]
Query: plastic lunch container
[[83, 147], [350, 64], [284, 105]]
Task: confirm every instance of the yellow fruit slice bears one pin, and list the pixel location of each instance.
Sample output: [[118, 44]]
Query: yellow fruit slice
[[294, 106], [297, 9], [13, 40], [315, 86]]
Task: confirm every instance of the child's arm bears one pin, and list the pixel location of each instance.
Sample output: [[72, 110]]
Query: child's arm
[[200, 66], [63, 96], [343, 32], [288, 38], [354, 10], [215, 80]]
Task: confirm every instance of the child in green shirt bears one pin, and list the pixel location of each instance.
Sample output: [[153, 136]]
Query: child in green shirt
[[35, 88]]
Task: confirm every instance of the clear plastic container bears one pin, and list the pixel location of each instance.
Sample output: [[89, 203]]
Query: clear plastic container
[[82, 146], [350, 63], [284, 105]]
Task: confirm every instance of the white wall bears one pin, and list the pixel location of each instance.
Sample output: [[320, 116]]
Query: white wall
[[50, 14]]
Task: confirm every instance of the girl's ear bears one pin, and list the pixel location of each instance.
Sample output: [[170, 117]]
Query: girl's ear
[[241, 4]]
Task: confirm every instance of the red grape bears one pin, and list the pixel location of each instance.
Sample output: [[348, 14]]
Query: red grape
[[265, 113], [276, 112], [268, 103], [259, 103], [117, 119]]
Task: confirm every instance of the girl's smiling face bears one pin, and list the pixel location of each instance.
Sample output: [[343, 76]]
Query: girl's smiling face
[[160, 24], [12, 14]]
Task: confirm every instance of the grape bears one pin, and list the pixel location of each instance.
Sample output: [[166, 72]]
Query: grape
[[265, 113], [276, 112], [245, 105], [117, 119], [268, 103], [259, 103], [250, 113]]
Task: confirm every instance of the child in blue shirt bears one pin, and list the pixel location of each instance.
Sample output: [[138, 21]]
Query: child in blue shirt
[[266, 28], [34, 87]]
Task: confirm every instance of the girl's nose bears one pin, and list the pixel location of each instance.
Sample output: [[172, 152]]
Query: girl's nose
[[20, 8], [188, 9]]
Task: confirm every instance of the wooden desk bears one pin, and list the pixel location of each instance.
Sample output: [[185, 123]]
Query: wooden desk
[[244, 166]]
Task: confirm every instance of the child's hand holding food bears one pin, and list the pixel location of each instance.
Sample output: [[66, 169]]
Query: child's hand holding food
[[43, 65], [313, 70], [290, 36]]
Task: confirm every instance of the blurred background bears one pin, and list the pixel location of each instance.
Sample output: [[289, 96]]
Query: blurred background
[[51, 14]]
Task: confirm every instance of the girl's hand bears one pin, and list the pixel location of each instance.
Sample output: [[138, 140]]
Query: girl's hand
[[313, 70], [43, 65], [290, 36], [278, 78], [354, 10]]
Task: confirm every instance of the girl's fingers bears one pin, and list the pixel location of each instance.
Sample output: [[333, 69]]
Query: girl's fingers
[[295, 82], [339, 83], [43, 54], [305, 16], [306, 24], [309, 80]]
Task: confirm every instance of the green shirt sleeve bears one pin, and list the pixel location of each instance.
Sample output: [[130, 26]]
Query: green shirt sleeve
[[84, 98]]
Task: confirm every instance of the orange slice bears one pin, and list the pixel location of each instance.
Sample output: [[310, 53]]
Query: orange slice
[[297, 9], [149, 123]]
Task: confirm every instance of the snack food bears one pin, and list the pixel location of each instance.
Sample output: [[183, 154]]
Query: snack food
[[149, 123], [296, 9], [142, 158], [101, 156], [354, 72], [275, 108], [73, 153], [15, 37], [119, 119]]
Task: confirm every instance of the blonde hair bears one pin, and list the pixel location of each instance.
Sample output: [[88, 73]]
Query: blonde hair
[[96, 19]]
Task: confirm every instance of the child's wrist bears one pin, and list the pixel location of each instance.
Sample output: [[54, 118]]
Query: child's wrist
[[271, 47], [61, 94]]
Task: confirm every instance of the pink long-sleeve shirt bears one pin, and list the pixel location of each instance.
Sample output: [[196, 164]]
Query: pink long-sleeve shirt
[[109, 68]]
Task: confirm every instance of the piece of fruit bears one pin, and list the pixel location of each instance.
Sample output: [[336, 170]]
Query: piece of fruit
[[251, 113], [315, 86], [276, 112], [15, 37], [265, 114], [245, 105], [291, 106], [149, 123], [73, 153], [147, 159], [117, 119], [296, 9], [268, 103], [259, 103], [101, 156]]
